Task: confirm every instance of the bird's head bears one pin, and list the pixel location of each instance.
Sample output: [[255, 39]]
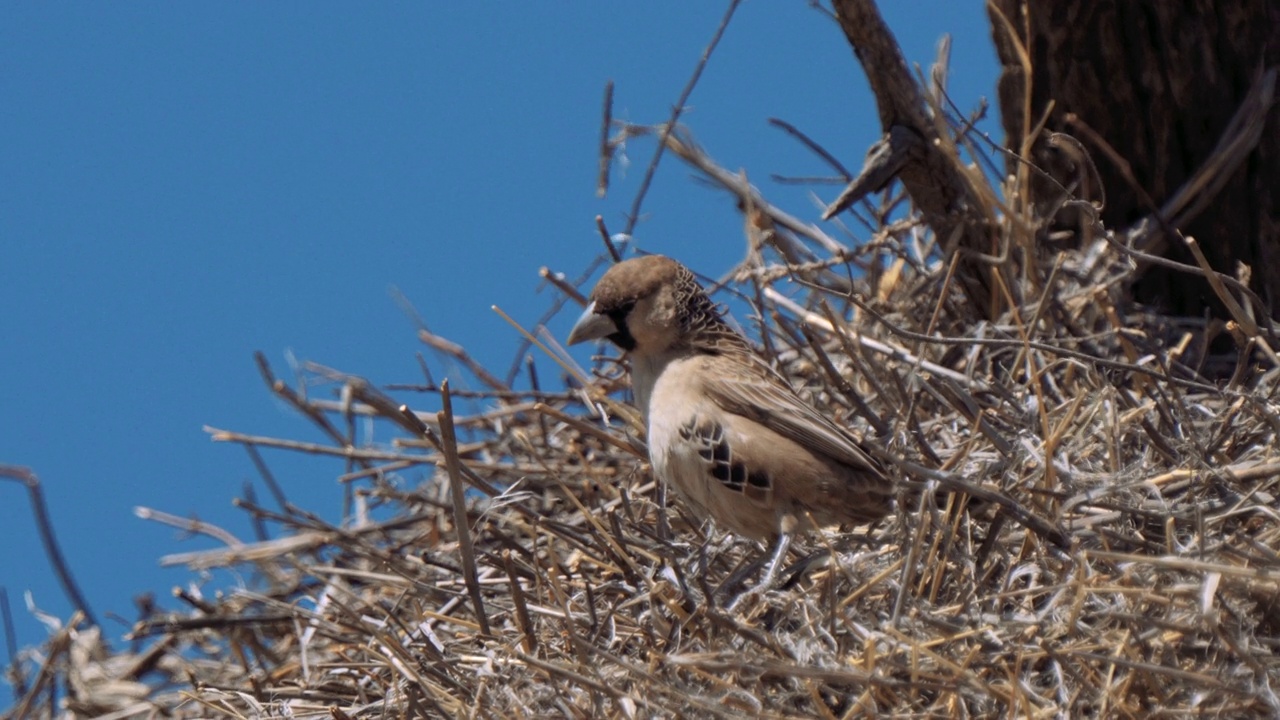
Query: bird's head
[[645, 305]]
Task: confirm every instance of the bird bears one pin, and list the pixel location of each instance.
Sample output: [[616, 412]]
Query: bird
[[724, 429]]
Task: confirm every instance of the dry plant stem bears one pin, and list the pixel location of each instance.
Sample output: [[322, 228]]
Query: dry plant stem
[[1065, 352], [311, 529], [558, 280], [457, 352], [1268, 327], [286, 393], [813, 146], [872, 344], [606, 149], [1268, 574], [881, 427], [955, 483], [10, 642], [532, 371], [913, 554], [504, 395], [608, 241], [386, 408], [462, 525], [217, 435], [522, 609], [956, 397], [629, 415], [1215, 282], [503, 411], [46, 678], [40, 511], [565, 363], [267, 477], [633, 215], [556, 306], [190, 525], [856, 356], [681, 143], [589, 429]]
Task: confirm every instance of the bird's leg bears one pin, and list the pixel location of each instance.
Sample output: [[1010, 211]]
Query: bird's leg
[[775, 560], [786, 530], [788, 523]]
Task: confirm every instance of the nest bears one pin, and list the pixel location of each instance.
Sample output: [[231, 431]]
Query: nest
[[1087, 524]]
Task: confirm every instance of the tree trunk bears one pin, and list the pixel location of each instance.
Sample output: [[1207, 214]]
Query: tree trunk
[[1155, 84]]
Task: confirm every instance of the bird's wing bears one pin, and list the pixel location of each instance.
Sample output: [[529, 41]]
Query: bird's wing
[[777, 408], [721, 461]]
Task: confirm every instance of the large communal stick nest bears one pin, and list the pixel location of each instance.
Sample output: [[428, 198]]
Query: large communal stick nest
[[1087, 525]]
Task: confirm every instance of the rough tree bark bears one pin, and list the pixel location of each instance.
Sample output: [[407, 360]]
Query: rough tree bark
[[1158, 83]]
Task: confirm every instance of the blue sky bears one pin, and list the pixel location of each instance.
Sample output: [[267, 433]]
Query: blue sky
[[187, 183]]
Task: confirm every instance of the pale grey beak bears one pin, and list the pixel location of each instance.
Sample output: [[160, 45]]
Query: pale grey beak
[[591, 326]]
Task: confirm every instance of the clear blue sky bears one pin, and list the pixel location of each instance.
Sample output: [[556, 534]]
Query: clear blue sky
[[184, 184]]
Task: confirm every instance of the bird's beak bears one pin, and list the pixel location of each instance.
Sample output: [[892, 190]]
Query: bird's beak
[[591, 326]]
